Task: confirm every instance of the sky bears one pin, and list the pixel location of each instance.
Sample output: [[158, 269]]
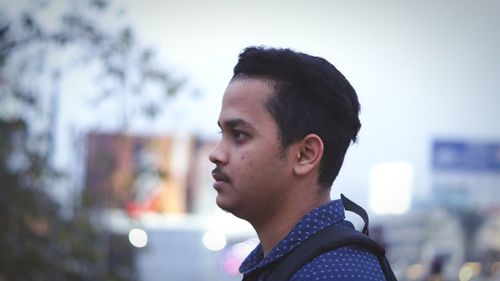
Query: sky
[[423, 70]]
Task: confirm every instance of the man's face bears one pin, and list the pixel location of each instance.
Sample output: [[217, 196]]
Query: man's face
[[251, 168]]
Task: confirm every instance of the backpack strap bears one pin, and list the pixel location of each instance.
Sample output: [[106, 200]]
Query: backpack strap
[[355, 208], [330, 238]]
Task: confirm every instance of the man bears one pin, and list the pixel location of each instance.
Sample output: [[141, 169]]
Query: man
[[287, 119]]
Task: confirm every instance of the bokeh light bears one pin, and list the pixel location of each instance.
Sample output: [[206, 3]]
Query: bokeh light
[[138, 237], [214, 240]]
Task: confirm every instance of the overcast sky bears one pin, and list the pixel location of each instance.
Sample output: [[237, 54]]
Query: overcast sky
[[422, 69]]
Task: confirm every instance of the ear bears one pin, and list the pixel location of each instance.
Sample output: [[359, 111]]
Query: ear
[[309, 154]]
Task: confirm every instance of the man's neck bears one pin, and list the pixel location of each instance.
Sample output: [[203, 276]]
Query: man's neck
[[279, 223]]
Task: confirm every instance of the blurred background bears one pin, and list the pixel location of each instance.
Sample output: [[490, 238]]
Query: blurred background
[[108, 111]]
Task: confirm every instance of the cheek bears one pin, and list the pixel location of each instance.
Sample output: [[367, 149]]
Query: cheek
[[247, 167], [246, 159]]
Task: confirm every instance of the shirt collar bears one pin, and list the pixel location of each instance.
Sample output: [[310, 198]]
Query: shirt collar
[[314, 221]]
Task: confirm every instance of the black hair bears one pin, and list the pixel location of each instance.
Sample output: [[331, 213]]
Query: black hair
[[310, 96]]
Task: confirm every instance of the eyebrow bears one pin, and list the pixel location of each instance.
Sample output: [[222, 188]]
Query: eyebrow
[[238, 122]]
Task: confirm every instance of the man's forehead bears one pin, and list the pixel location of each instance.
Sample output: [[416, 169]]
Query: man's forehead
[[245, 104]]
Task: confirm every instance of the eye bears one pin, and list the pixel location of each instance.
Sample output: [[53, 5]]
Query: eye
[[238, 136]]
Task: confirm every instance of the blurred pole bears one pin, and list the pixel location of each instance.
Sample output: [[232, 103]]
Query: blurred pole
[[53, 114]]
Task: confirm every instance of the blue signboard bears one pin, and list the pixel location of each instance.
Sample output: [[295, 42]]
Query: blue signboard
[[465, 156]]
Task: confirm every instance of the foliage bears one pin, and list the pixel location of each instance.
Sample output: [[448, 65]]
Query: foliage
[[35, 58], [38, 240]]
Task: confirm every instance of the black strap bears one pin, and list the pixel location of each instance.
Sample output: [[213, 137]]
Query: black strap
[[386, 268], [332, 237], [353, 207]]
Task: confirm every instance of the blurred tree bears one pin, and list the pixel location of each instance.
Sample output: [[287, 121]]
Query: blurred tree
[[38, 241], [35, 57]]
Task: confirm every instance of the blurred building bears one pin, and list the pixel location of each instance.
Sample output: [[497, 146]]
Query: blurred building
[[453, 235], [415, 240], [156, 193], [137, 173]]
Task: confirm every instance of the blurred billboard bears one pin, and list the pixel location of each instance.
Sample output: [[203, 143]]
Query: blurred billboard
[[137, 173], [466, 174]]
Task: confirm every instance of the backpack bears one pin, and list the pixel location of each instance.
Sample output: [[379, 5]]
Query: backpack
[[330, 238]]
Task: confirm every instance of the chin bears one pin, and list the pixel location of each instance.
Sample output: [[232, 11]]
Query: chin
[[223, 205], [226, 206]]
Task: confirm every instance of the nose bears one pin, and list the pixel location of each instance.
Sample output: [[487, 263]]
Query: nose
[[218, 156]]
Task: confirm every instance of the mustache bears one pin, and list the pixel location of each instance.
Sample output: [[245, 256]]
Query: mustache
[[219, 175]]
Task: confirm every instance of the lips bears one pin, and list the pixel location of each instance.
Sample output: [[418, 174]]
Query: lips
[[220, 178]]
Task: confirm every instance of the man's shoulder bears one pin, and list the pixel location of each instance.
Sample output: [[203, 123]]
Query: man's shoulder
[[345, 263]]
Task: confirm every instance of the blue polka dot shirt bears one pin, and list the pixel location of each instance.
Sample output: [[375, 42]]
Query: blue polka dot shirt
[[346, 263]]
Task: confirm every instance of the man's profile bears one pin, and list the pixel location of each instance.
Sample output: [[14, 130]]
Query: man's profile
[[287, 119]]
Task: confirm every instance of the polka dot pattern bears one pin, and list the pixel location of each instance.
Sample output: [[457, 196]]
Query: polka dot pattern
[[346, 263]]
